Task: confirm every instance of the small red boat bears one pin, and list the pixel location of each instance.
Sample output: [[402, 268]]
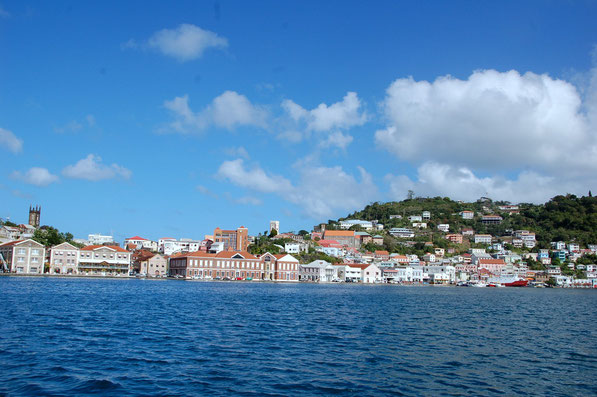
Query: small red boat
[[519, 283]]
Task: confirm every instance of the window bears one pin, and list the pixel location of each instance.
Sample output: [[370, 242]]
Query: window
[[34, 260], [20, 259], [21, 251]]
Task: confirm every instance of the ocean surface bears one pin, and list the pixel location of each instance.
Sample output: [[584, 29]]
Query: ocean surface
[[165, 337]]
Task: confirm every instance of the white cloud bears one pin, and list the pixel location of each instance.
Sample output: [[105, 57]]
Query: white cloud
[[340, 115], [228, 110], [36, 176], [249, 200], [321, 191], [254, 178], [337, 139], [9, 141], [491, 121], [326, 121], [460, 183], [91, 168], [185, 43]]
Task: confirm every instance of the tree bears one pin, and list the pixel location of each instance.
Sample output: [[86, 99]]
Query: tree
[[303, 233], [273, 233]]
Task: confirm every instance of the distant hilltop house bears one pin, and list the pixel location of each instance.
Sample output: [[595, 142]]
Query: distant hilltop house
[[141, 243], [491, 219], [467, 214], [510, 209], [344, 237], [367, 225]]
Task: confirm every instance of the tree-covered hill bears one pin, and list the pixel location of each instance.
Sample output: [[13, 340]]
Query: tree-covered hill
[[563, 218]]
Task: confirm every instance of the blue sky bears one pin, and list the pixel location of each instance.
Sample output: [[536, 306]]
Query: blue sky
[[159, 119]]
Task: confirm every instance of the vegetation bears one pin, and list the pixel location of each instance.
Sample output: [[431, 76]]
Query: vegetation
[[49, 236], [563, 218]]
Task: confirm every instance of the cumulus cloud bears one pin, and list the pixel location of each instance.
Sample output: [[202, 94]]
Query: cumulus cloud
[[326, 121], [9, 141], [229, 110], [491, 121], [91, 168], [320, 191], [185, 43], [336, 139], [36, 176]]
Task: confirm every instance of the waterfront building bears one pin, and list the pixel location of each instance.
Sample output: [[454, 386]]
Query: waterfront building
[[494, 266], [319, 271], [234, 264], [236, 240], [443, 274], [104, 260], [348, 273], [152, 264], [64, 259], [23, 256], [370, 273]]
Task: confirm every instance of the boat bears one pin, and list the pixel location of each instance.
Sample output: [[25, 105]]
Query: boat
[[479, 285], [518, 283]]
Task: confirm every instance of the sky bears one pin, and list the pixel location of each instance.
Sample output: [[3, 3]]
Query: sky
[[171, 119]]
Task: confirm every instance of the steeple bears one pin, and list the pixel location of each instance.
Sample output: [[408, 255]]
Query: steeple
[[34, 215]]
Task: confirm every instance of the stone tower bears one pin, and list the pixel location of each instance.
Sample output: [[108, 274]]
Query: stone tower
[[34, 216]]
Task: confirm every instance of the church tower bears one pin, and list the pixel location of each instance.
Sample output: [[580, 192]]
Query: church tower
[[34, 216]]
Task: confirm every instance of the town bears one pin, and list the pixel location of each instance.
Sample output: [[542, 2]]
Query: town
[[347, 250]]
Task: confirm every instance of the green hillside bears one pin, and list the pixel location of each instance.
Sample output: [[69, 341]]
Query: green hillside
[[567, 218]]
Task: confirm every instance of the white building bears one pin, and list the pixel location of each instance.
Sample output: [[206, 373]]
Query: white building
[[467, 214], [348, 223], [319, 271], [295, 248], [141, 243], [104, 260], [402, 232], [440, 274], [100, 239], [274, 225], [426, 215], [483, 238], [444, 227], [409, 274], [348, 273], [415, 218]]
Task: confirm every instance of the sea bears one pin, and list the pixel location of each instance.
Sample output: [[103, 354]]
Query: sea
[[133, 337]]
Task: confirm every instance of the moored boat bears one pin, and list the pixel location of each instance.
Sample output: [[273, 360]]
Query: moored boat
[[518, 283]]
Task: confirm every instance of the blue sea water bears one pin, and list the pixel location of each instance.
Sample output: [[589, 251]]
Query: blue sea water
[[164, 337]]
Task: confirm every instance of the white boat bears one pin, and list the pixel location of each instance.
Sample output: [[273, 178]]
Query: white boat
[[478, 285]]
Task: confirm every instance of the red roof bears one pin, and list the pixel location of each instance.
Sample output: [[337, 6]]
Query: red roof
[[11, 243], [94, 247], [492, 262], [137, 238]]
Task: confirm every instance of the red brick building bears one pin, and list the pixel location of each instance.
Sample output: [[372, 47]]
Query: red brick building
[[231, 264]]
